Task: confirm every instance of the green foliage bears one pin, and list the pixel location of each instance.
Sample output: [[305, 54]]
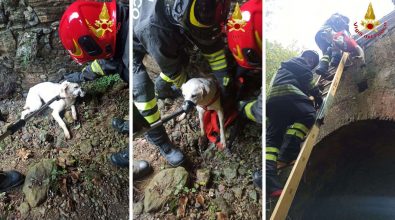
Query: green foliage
[[220, 155], [173, 204], [2, 146], [275, 54], [212, 208], [101, 85], [55, 175], [25, 60], [179, 188]]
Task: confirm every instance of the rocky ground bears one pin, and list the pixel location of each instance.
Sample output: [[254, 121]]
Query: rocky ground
[[68, 179], [211, 185]]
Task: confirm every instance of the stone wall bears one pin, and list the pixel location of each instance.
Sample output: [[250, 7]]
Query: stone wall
[[366, 93], [30, 50]]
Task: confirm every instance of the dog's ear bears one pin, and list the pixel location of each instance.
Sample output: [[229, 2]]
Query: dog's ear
[[63, 89], [203, 91]]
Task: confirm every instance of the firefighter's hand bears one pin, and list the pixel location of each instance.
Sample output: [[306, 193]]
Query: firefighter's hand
[[224, 81], [315, 91], [76, 77], [318, 102]]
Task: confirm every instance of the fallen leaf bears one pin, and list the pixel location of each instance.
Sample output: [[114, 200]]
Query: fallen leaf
[[63, 186], [200, 199], [61, 161], [24, 154], [182, 203], [221, 216], [96, 181], [70, 205], [221, 188], [75, 176]]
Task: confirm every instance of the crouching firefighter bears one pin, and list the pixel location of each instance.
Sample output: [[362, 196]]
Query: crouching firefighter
[[163, 29], [290, 114], [336, 23], [107, 45], [244, 31]]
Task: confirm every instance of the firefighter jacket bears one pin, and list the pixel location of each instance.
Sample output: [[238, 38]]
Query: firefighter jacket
[[161, 28], [293, 79]]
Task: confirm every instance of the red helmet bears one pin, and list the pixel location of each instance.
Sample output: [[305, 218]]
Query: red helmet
[[88, 30], [244, 30]]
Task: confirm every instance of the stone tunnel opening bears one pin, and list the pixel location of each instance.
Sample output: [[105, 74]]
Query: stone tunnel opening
[[350, 175]]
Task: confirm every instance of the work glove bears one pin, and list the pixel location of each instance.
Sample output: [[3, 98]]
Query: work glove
[[76, 77], [79, 77], [224, 81], [318, 100], [317, 94]]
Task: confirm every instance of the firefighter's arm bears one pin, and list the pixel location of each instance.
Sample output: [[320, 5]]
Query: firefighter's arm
[[164, 47], [210, 42], [95, 69]]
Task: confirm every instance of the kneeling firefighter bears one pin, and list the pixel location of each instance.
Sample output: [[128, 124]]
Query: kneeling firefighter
[[244, 31], [162, 29]]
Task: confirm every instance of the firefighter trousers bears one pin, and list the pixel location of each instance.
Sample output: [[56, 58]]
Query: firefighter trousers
[[289, 120], [145, 101]]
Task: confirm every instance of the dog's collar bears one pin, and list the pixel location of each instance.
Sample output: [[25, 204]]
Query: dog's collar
[[216, 96]]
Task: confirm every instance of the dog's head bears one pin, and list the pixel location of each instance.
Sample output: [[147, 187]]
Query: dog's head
[[71, 90], [327, 35], [195, 90]]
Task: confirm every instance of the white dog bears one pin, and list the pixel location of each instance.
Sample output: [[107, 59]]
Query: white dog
[[205, 93], [46, 91], [339, 41]]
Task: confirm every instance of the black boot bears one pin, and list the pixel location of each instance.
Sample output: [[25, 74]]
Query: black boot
[[141, 168], [159, 138], [290, 149], [120, 125], [121, 159], [323, 68], [165, 90], [257, 178], [10, 179], [273, 185]]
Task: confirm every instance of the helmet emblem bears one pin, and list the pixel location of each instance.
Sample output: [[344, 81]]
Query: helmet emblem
[[104, 23], [236, 23], [78, 51], [370, 21], [238, 55]]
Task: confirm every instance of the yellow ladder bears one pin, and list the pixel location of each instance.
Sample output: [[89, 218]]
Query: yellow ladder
[[284, 203]]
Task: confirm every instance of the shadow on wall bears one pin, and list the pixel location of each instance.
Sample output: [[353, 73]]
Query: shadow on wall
[[351, 175]]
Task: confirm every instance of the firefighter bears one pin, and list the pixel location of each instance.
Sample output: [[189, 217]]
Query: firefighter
[[244, 31], [336, 23], [98, 32], [163, 29], [10, 179], [290, 114]]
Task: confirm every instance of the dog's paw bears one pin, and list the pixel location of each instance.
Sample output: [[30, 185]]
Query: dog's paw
[[223, 145], [181, 117], [67, 136]]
